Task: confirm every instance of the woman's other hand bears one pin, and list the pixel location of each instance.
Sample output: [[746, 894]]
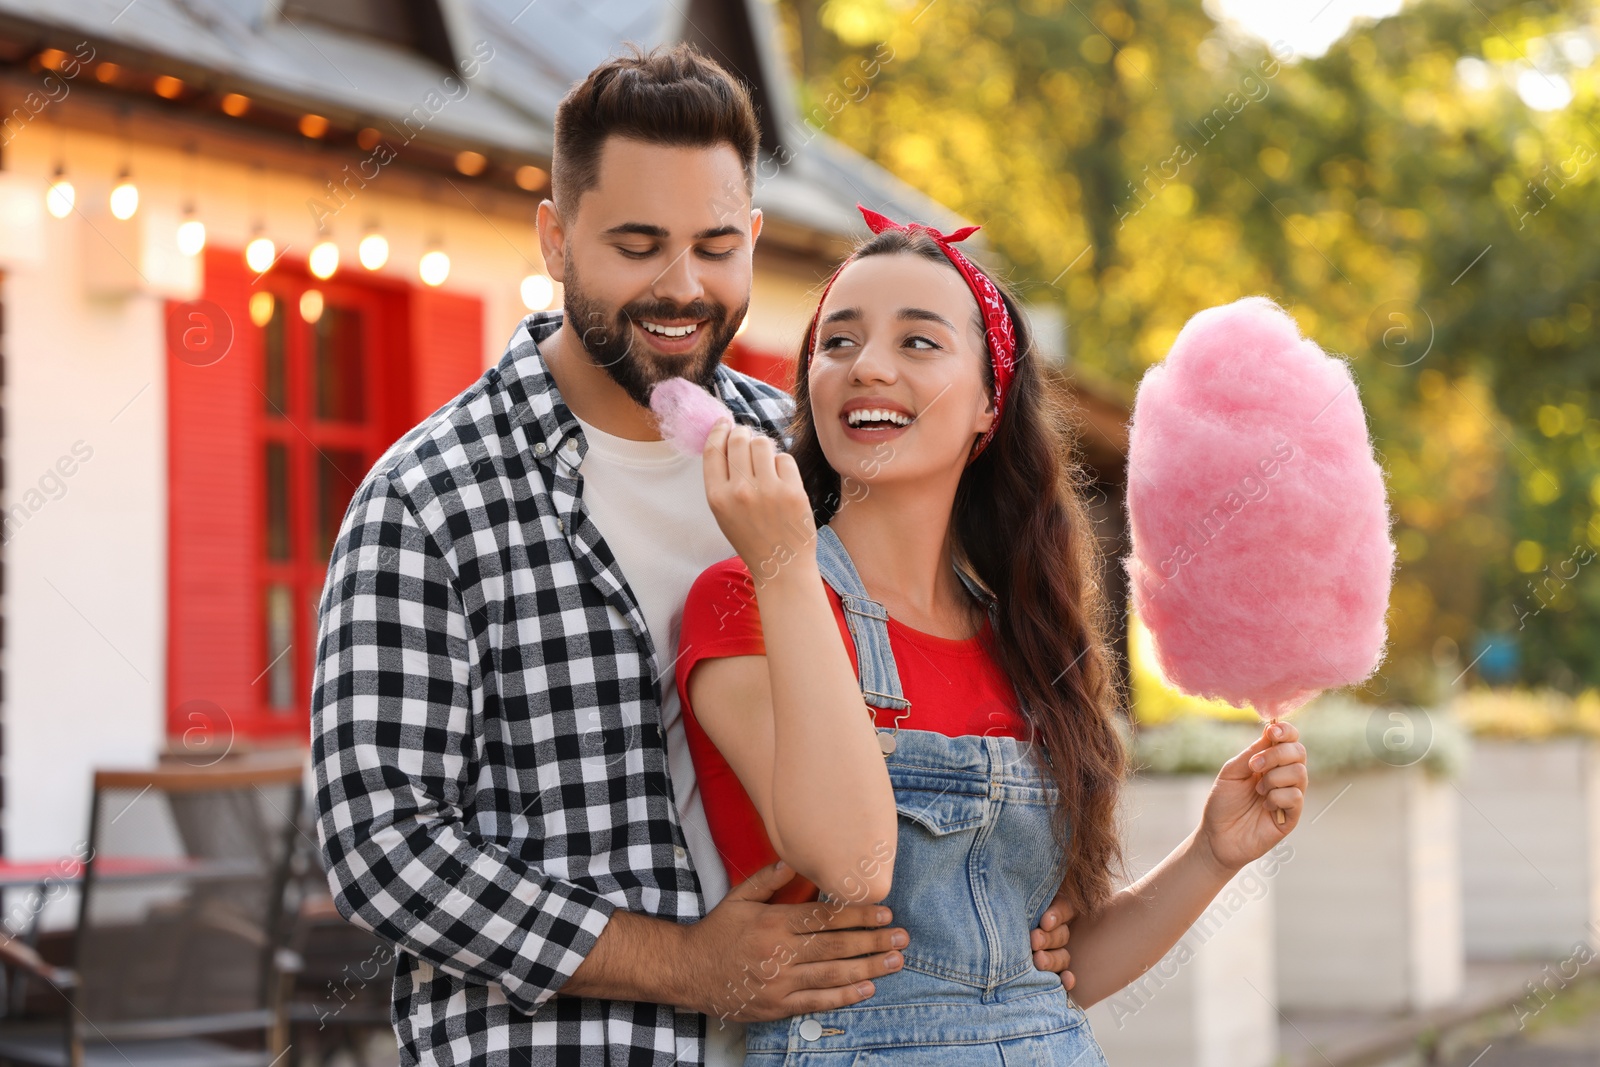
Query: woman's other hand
[[758, 499], [1240, 820]]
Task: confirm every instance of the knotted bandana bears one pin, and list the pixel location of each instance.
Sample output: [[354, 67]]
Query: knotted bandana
[[997, 327]]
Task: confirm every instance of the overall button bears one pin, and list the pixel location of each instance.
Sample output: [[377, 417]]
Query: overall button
[[810, 1029]]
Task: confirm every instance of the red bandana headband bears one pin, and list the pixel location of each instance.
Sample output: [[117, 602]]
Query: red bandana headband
[[997, 327]]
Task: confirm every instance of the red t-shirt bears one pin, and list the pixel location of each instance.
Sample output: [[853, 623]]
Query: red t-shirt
[[955, 688]]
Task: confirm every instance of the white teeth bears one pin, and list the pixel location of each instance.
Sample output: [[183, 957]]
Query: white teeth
[[669, 331], [860, 415]]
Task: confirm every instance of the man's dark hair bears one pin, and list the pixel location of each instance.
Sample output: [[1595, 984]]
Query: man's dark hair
[[667, 96]]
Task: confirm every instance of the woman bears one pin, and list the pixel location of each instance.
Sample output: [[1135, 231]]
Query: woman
[[955, 754]]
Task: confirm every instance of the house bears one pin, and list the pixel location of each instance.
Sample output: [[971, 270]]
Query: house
[[246, 244]]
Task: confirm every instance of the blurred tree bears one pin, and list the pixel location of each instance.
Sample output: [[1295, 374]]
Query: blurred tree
[[1421, 197]]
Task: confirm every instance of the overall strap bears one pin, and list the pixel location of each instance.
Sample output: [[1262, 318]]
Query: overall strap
[[868, 621]]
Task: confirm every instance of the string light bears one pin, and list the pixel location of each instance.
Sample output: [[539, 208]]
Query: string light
[[191, 233], [537, 292], [531, 178], [373, 251], [311, 305], [323, 261], [125, 197], [260, 254], [61, 196], [261, 307], [434, 267]]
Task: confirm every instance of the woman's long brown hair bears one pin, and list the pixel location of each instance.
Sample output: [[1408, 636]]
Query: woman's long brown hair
[[1022, 525]]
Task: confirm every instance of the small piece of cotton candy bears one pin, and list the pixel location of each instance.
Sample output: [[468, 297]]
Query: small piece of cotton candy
[[1261, 560], [686, 413]]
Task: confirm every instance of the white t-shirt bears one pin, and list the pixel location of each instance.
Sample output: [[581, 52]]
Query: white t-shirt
[[649, 502]]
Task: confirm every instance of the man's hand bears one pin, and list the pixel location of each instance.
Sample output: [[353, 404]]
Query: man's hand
[[749, 960], [1050, 940]]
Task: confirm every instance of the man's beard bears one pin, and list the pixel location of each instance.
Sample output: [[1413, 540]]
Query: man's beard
[[609, 339]]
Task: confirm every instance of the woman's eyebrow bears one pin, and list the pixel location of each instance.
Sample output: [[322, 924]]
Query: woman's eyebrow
[[841, 315], [924, 315]]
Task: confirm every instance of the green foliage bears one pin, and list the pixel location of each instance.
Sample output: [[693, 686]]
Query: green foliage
[[1133, 163]]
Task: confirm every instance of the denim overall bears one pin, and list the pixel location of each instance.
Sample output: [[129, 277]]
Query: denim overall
[[975, 867]]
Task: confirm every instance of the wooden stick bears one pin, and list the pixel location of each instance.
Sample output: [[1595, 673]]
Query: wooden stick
[[1277, 815]]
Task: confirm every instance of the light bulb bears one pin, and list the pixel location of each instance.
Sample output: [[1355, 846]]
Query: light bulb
[[434, 267], [311, 305], [537, 292], [260, 254], [191, 236], [261, 305], [323, 261], [125, 199], [373, 251], [60, 197]]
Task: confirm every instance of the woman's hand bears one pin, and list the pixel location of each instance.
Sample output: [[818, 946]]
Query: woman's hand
[[1240, 822], [758, 499]]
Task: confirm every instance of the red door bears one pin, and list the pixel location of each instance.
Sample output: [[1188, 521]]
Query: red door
[[267, 445]]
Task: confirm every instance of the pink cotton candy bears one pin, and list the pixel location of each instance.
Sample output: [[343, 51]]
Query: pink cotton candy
[[1261, 558], [686, 413]]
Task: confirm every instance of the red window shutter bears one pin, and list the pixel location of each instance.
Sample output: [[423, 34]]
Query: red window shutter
[[213, 484], [447, 340]]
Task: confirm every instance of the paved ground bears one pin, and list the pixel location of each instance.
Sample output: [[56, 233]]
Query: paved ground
[[1376, 1039], [1564, 1033]]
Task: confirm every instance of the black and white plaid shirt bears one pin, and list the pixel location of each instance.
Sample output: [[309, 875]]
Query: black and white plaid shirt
[[491, 767]]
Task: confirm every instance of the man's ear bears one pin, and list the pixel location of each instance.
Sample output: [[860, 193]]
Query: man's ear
[[755, 225], [552, 241]]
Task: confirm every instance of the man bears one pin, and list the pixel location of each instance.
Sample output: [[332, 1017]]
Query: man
[[503, 786]]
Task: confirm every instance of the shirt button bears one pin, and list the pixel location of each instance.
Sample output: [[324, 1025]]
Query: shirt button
[[571, 445], [679, 851], [561, 524], [540, 449], [810, 1029]]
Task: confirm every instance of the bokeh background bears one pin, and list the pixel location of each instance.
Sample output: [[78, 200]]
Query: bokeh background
[[245, 244]]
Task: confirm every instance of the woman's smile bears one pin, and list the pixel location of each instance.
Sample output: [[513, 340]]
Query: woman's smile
[[874, 418]]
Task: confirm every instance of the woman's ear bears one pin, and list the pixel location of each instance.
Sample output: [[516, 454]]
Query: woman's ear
[[985, 417]]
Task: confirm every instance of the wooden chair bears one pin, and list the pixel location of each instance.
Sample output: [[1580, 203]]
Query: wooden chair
[[177, 959]]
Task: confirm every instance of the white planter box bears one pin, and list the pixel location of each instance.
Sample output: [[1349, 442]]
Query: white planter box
[[1530, 848], [1369, 910], [1207, 1003]]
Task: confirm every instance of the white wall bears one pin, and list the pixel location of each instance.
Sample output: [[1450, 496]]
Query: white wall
[[85, 604]]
